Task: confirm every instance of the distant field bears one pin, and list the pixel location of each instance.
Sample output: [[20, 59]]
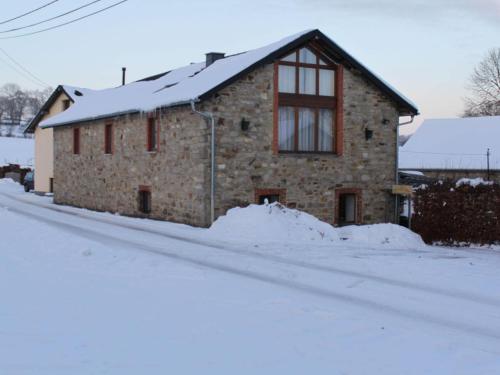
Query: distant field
[[17, 151]]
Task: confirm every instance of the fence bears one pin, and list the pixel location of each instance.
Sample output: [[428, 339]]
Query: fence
[[14, 171], [452, 214]]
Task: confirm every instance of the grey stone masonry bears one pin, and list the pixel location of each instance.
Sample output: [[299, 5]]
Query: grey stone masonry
[[178, 174]]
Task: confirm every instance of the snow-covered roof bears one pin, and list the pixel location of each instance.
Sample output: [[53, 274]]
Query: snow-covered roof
[[74, 93], [193, 82], [457, 143]]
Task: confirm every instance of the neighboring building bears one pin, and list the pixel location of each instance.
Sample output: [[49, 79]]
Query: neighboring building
[[299, 121], [454, 148], [60, 100]]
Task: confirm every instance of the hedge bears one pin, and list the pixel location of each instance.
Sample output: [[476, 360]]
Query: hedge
[[463, 215]]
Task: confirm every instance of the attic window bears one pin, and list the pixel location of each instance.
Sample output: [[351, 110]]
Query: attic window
[[66, 103], [78, 93], [308, 106]]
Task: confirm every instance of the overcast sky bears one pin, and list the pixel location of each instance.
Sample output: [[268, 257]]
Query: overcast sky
[[425, 48]]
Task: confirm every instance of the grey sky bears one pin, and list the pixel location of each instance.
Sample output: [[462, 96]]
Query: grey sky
[[425, 48]]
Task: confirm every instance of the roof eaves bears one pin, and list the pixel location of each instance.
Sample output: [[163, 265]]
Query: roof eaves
[[89, 119]]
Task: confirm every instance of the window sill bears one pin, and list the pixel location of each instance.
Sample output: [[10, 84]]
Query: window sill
[[152, 152]]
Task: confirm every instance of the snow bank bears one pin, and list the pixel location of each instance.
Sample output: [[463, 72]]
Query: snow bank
[[272, 223], [17, 151], [473, 182], [276, 223], [388, 235]]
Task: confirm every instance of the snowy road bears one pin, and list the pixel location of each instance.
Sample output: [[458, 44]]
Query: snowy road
[[353, 310]]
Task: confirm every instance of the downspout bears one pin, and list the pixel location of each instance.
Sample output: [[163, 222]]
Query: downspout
[[396, 206], [209, 116]]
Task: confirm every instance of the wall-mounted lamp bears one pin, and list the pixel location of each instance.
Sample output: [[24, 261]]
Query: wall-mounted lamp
[[245, 124], [368, 134], [386, 121]]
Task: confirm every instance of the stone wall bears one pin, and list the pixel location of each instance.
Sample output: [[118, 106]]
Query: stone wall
[[245, 160], [178, 173]]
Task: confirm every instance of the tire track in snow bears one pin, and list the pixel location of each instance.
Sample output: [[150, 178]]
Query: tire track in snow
[[110, 240], [278, 259]]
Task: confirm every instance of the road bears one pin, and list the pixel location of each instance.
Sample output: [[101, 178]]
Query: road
[[451, 310]]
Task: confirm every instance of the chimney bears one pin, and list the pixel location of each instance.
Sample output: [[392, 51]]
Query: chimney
[[123, 75], [212, 57]]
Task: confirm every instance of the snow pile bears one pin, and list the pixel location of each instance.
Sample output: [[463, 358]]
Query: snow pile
[[272, 223], [275, 223], [390, 235], [17, 151], [473, 182]]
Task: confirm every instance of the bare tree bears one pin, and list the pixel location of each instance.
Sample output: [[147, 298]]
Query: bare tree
[[484, 87], [17, 105], [36, 100], [15, 101]]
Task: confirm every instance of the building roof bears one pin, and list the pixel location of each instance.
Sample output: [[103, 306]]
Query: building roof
[[73, 93], [456, 144], [197, 82]]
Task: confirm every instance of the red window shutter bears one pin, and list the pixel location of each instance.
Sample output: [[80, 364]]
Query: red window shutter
[[76, 141], [108, 139]]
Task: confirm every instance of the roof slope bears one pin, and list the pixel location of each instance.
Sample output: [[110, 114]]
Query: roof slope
[[72, 92], [459, 143], [197, 82]]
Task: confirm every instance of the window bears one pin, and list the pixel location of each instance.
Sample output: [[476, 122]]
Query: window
[[76, 141], [269, 198], [347, 209], [108, 139], [348, 206], [152, 135], [286, 128], [145, 199], [271, 195], [307, 102], [287, 79], [66, 103]]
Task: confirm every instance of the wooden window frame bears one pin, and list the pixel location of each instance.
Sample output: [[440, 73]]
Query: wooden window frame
[[76, 141], [108, 138], [359, 204], [143, 189], [315, 102], [152, 124], [280, 192]]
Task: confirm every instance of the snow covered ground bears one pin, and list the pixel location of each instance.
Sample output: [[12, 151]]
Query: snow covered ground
[[17, 151], [95, 293]]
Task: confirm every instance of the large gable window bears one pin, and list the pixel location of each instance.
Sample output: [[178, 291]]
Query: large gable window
[[307, 102]]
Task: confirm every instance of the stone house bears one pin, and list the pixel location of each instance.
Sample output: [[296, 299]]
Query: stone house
[[299, 121], [454, 148]]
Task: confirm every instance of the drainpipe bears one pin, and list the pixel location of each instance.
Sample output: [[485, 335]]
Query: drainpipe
[[210, 117], [396, 208]]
